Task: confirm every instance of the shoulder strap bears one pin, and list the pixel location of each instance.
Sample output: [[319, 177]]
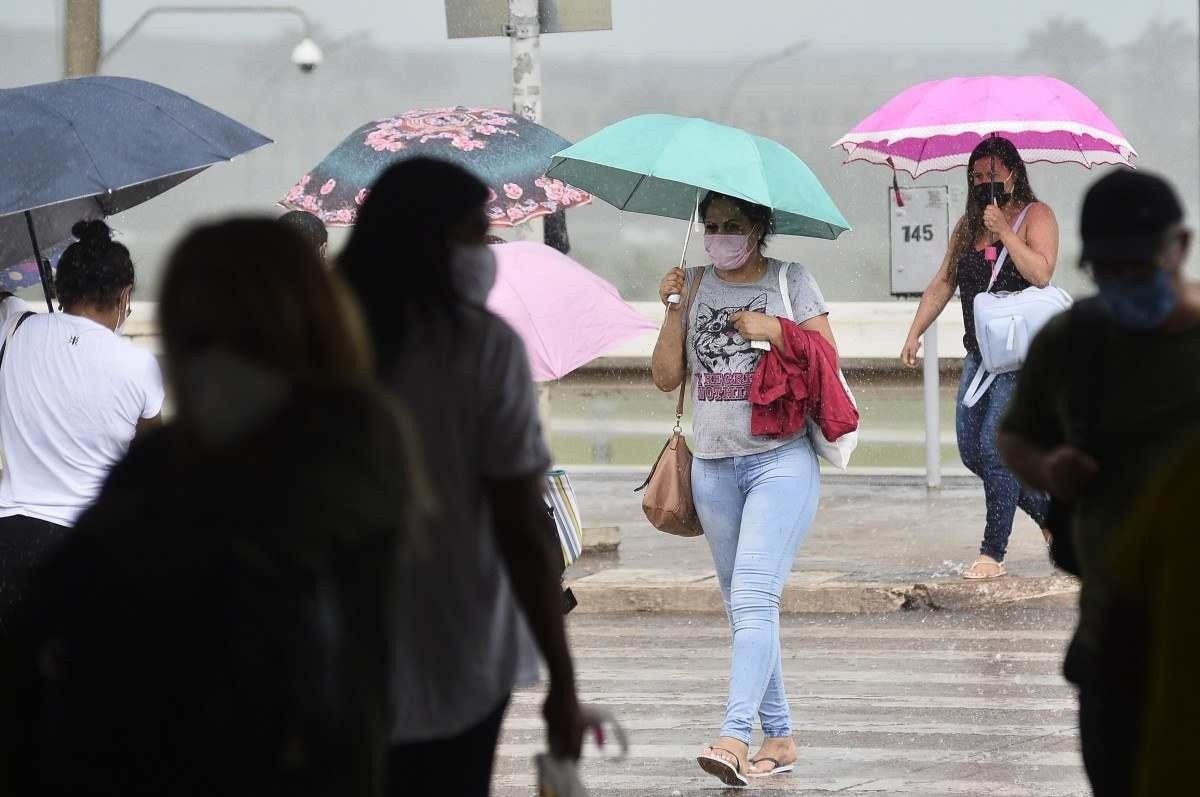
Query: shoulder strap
[[785, 292], [692, 291], [979, 385], [1004, 252], [691, 284], [12, 331]]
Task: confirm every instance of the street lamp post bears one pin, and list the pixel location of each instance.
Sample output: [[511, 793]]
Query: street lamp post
[[306, 56], [81, 38], [736, 85]]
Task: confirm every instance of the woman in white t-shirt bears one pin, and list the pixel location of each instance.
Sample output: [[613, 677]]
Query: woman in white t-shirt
[[73, 394]]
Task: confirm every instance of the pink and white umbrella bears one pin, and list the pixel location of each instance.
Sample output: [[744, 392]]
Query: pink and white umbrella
[[565, 314], [934, 126]]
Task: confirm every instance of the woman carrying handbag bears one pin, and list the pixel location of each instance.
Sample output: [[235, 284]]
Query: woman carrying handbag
[[754, 497]]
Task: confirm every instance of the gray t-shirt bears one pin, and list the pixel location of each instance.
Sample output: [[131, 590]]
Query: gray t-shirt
[[721, 362], [459, 638]]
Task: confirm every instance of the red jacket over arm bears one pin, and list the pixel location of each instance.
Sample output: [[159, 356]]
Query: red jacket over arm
[[798, 379]]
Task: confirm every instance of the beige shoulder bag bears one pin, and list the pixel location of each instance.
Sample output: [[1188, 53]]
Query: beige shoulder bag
[[668, 498]]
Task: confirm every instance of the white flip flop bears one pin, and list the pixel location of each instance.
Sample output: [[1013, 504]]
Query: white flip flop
[[777, 770]]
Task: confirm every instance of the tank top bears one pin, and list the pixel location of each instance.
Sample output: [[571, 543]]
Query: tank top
[[973, 274]]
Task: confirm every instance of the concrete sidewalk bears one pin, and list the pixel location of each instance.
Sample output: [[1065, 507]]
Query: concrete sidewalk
[[878, 544]]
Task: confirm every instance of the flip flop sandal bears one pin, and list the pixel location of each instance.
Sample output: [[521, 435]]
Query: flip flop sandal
[[721, 769], [776, 769], [984, 570]]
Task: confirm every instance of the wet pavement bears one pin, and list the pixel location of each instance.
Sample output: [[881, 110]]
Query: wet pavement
[[877, 529], [903, 704], [879, 543]]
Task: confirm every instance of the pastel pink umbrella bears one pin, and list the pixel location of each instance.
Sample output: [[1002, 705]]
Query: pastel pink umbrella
[[566, 315], [934, 126]]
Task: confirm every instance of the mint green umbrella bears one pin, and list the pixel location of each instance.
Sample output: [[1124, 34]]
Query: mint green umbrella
[[661, 164]]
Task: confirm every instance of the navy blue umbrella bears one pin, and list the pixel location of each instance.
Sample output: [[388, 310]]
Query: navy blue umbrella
[[90, 147]]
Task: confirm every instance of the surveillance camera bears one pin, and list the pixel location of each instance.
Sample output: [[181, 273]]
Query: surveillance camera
[[307, 56]]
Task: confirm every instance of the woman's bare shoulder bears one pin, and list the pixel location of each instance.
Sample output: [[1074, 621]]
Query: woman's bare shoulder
[[1039, 211]]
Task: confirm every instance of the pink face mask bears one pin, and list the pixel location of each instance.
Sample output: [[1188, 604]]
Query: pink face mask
[[727, 251]]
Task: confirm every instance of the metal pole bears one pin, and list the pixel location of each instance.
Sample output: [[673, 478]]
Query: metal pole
[[524, 34], [81, 34], [933, 432], [298, 13], [543, 399], [43, 266], [736, 84]]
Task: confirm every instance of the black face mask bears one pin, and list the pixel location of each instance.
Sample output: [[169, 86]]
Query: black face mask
[[983, 193]]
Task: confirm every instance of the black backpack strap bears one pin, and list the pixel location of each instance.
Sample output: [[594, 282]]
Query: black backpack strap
[[16, 326]]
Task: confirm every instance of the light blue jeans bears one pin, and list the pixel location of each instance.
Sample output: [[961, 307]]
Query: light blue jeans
[[756, 511]]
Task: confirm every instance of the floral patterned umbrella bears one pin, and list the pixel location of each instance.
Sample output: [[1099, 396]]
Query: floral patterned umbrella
[[509, 153]]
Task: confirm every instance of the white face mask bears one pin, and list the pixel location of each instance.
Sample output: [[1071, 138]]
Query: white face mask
[[473, 269]]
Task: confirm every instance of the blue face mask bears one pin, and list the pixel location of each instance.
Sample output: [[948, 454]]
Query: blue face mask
[[1140, 304]]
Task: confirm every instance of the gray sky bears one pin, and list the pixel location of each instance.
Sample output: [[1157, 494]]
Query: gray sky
[[238, 64], [680, 27]]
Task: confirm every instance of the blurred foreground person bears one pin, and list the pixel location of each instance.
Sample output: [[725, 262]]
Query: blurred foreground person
[[73, 394], [216, 623], [418, 263], [1107, 395], [1152, 632]]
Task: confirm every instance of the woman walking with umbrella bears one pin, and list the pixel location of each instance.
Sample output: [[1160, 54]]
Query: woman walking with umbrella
[[1002, 214], [984, 123], [755, 497]]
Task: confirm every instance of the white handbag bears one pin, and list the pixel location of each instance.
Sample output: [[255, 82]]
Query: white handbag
[[835, 452], [1005, 323]]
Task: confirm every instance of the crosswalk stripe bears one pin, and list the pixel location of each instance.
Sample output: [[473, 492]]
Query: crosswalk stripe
[[905, 710], [715, 628], [840, 701], [655, 782], [687, 752], [804, 655], [710, 675], [847, 725]]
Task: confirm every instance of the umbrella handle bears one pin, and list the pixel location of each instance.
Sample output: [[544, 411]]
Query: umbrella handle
[[675, 298], [43, 266]]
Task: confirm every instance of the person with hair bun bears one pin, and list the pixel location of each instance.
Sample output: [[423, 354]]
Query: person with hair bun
[[73, 394]]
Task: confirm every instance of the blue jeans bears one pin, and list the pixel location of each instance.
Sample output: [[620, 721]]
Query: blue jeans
[[976, 428], [756, 510]]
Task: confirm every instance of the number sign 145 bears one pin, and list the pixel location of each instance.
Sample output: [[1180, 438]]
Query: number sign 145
[[916, 233]]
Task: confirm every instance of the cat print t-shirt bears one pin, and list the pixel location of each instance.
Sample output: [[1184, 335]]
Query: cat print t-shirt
[[721, 362]]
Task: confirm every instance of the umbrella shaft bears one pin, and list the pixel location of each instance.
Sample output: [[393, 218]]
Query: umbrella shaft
[[42, 266]]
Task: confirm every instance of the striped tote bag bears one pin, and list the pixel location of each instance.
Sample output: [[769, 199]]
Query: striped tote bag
[[562, 504]]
